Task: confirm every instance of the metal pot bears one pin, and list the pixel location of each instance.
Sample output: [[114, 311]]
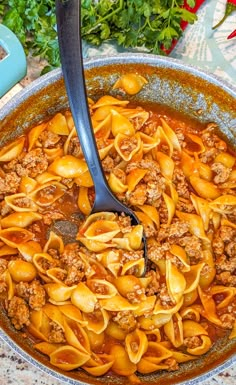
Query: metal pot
[[191, 91]]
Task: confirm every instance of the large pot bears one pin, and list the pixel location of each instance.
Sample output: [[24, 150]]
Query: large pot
[[170, 82]]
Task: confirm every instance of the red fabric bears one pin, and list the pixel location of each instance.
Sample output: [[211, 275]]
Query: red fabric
[[185, 23]]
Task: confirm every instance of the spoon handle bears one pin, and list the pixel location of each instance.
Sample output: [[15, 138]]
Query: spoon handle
[[68, 14]]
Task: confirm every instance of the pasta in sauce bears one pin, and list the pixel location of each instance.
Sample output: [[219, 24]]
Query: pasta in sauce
[[88, 303]]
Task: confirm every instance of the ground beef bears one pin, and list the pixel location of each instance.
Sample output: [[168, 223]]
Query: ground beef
[[172, 364], [108, 164], [126, 320], [181, 184], [192, 342], [124, 222], [164, 296], [227, 320], [50, 217], [185, 205], [33, 293], [227, 233], [74, 276], [34, 163], [225, 278], [192, 246], [3, 287], [218, 245], [154, 285], [209, 155], [222, 172], [157, 251], [49, 139], [3, 265], [18, 312], [154, 191], [137, 197], [56, 334], [230, 249], [9, 184], [70, 257], [177, 229]]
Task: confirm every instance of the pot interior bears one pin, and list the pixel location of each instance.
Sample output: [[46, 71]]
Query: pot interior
[[170, 84]]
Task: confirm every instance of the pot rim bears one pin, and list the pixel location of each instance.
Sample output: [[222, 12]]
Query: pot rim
[[137, 58]]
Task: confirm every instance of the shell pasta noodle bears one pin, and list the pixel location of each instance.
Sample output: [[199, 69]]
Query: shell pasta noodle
[[89, 304]]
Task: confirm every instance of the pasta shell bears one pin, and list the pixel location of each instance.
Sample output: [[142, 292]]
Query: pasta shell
[[145, 306], [182, 357], [149, 142], [46, 177], [188, 164], [102, 129], [7, 250], [192, 328], [102, 112], [72, 312], [76, 335], [203, 209], [203, 348], [27, 184], [22, 271], [54, 314], [84, 180], [105, 150], [192, 277], [154, 321], [117, 303], [84, 298], [111, 260], [171, 135], [156, 353], [170, 205], [42, 261], [225, 200], [136, 344], [190, 298], [102, 230], [136, 266], [135, 237], [152, 213], [99, 366], [54, 242], [34, 134], [97, 321], [166, 164], [14, 236], [56, 274], [145, 366], [194, 144], [195, 222], [95, 246], [101, 288], [116, 185], [175, 280], [28, 249], [83, 201], [108, 100], [58, 124], [174, 330], [45, 195], [228, 294], [68, 358], [53, 153], [68, 166], [131, 83], [126, 145], [13, 150], [226, 159], [59, 292], [6, 277], [134, 177], [20, 219], [159, 309], [46, 347], [20, 203], [128, 284], [179, 252], [190, 313], [121, 125], [204, 189], [209, 307], [122, 364]]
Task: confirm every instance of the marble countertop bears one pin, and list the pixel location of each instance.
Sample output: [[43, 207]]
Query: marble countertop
[[215, 54]]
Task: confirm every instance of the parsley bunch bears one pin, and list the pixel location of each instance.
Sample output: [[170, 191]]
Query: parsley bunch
[[151, 24]]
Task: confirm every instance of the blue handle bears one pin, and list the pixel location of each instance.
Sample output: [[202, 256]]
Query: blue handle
[[13, 66]]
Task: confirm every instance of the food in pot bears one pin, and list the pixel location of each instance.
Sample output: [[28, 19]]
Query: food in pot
[[89, 303]]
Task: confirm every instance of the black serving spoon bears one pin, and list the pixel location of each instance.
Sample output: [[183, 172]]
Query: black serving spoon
[[68, 13]]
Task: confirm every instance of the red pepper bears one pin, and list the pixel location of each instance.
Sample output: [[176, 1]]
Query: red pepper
[[230, 8], [233, 34]]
